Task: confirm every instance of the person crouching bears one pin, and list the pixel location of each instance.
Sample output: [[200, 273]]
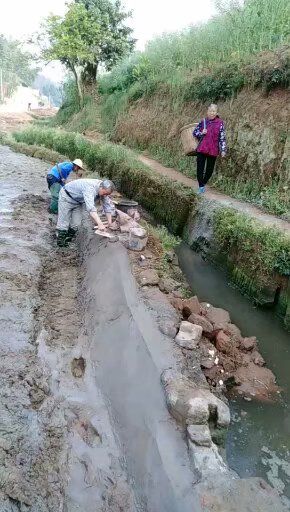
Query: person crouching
[[212, 141], [56, 179], [72, 197]]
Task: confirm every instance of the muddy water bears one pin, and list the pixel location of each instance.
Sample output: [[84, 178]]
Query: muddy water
[[259, 437]]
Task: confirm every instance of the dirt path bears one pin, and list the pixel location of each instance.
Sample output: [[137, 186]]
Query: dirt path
[[224, 200]]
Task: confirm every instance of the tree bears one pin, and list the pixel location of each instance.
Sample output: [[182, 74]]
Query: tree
[[115, 41], [91, 33], [16, 65]]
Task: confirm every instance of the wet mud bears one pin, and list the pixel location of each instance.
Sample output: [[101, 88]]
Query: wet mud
[[57, 448]]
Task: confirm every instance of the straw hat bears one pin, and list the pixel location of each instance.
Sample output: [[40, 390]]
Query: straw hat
[[78, 162]]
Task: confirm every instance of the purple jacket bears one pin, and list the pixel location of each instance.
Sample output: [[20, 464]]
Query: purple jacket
[[214, 142]]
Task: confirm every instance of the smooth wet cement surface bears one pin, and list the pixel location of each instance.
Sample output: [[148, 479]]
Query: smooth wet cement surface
[[259, 437]]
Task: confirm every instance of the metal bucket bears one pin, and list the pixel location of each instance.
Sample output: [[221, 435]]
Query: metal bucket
[[126, 204]]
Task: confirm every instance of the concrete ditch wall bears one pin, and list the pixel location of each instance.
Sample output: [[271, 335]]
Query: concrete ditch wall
[[130, 354], [199, 234]]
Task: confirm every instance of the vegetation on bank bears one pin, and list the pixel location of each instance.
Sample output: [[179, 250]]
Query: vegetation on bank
[[246, 46], [211, 61], [92, 33], [169, 201], [255, 253], [257, 256]]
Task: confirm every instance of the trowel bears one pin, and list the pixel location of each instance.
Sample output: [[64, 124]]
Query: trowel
[[105, 234]]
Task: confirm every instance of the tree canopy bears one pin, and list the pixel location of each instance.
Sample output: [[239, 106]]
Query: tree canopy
[[92, 33], [16, 65]]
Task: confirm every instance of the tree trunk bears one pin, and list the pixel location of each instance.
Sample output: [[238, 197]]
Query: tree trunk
[[78, 84], [90, 73]]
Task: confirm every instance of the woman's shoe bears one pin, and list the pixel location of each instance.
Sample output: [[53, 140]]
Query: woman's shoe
[[201, 190]]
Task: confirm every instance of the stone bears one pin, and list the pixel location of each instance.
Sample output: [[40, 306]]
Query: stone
[[177, 294], [248, 343], [189, 335], [257, 358], [191, 405], [223, 343], [191, 306], [255, 381], [175, 260], [199, 435], [168, 327], [219, 317], [167, 285], [234, 333], [148, 277], [177, 303], [202, 321]]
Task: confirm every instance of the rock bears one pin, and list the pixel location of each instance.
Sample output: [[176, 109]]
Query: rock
[[177, 294], [168, 327], [189, 335], [170, 256], [191, 405], [257, 358], [248, 343], [207, 363], [199, 435], [202, 321], [177, 303], [191, 306], [148, 277], [175, 260], [254, 381], [207, 354], [167, 285], [223, 343], [219, 317], [234, 333]]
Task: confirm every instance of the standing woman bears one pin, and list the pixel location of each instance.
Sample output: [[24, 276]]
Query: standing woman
[[212, 142]]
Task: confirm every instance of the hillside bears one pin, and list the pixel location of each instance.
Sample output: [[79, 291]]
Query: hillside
[[240, 60]]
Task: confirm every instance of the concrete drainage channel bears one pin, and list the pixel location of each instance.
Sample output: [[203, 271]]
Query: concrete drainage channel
[[84, 424]]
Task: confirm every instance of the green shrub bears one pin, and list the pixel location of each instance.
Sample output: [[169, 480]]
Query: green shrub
[[224, 82]]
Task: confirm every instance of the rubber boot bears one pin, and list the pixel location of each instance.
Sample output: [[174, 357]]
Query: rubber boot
[[62, 238], [71, 234]]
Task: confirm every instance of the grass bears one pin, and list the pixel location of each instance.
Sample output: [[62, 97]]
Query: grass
[[273, 198], [205, 62], [170, 202], [257, 256], [255, 253]]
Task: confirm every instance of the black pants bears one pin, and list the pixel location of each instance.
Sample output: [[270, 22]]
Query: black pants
[[51, 179], [205, 168]]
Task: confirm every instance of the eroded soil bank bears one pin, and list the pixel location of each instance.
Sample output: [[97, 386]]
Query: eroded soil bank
[[84, 426]]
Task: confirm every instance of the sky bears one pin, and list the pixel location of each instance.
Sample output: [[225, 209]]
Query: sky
[[20, 18]]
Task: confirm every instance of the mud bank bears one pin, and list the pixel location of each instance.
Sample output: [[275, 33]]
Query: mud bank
[[57, 447]]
